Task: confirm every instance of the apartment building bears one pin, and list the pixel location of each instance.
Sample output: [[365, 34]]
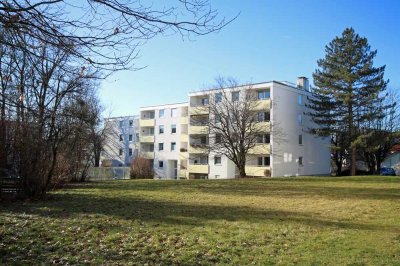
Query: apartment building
[[285, 147], [121, 145], [164, 139], [176, 137]]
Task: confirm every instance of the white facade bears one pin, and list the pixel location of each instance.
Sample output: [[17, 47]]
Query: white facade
[[121, 141], [289, 151], [163, 139]]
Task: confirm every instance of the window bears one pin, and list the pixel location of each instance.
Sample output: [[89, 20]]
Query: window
[[263, 117], [130, 137], [264, 138], [130, 152], [173, 129], [235, 96], [263, 95], [161, 129], [173, 112], [173, 146], [300, 99], [121, 138], [160, 164], [263, 161], [217, 160], [160, 146], [130, 123], [204, 101], [203, 140], [217, 118], [121, 151], [161, 113], [121, 123], [218, 138], [299, 119], [300, 139], [218, 97], [300, 161]]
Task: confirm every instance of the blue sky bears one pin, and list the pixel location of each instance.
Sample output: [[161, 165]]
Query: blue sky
[[270, 40]]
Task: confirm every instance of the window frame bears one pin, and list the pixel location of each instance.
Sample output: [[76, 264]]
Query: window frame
[[161, 129], [161, 113], [216, 159], [161, 146], [173, 126], [173, 146]]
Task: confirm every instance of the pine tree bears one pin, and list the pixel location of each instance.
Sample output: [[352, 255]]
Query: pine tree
[[348, 90]]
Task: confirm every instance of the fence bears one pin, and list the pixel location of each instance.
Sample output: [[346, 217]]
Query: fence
[[108, 173]]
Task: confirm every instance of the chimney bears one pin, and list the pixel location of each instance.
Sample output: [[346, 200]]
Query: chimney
[[302, 83]]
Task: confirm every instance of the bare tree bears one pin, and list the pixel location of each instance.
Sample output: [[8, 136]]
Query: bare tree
[[103, 33], [141, 168], [237, 122]]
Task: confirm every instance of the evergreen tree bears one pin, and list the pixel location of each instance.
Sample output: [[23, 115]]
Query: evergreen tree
[[349, 93]]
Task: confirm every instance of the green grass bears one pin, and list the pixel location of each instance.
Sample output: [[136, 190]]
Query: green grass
[[312, 221]]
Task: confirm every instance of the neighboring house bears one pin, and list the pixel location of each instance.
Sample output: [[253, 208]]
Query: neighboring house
[[121, 141], [163, 139], [289, 149], [393, 161]]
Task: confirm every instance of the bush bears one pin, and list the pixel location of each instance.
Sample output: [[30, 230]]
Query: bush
[[141, 168]]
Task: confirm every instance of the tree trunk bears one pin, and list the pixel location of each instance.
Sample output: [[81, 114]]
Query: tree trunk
[[353, 161]]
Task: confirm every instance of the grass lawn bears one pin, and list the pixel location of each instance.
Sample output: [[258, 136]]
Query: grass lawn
[[318, 221]]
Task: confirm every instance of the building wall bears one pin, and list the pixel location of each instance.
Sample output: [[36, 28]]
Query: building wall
[[286, 128], [171, 159], [115, 127]]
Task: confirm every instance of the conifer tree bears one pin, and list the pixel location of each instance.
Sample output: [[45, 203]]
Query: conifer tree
[[349, 93]]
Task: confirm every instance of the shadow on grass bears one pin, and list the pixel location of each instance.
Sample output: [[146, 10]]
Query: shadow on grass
[[290, 188], [174, 213]]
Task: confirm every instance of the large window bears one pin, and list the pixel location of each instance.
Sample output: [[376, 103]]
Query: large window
[[174, 112], [161, 113], [263, 161], [263, 95], [160, 146], [218, 138], [235, 96], [173, 146], [160, 129], [264, 138], [217, 160], [218, 97], [263, 117], [173, 129], [299, 119]]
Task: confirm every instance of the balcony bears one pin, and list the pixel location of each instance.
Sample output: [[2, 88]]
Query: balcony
[[147, 139], [183, 173], [184, 137], [263, 127], [147, 154], [184, 120], [199, 110], [199, 149], [261, 148], [262, 105], [198, 168], [254, 170], [198, 130], [147, 122]]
